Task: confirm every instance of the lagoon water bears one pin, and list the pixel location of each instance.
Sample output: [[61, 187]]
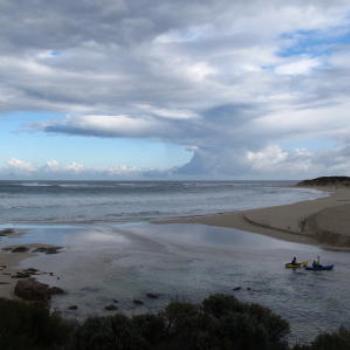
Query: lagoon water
[[124, 256]]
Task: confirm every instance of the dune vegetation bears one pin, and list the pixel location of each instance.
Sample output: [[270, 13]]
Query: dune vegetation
[[219, 322]]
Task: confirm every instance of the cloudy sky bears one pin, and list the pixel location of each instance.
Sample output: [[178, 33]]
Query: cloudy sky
[[256, 89]]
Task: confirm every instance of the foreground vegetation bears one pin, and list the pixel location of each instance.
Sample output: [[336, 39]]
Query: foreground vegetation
[[219, 322]]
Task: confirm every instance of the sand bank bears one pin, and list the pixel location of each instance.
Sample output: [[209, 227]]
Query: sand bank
[[324, 221]]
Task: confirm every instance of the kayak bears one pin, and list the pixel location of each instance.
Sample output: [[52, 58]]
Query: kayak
[[297, 265], [319, 268]]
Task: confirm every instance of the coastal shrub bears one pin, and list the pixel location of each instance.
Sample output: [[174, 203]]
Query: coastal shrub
[[31, 327], [116, 332], [220, 322], [339, 340]]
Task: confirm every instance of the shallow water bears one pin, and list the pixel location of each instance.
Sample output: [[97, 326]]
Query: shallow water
[[104, 262]]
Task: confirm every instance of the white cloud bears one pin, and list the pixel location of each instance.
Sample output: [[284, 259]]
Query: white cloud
[[19, 165], [267, 158], [53, 169], [298, 67]]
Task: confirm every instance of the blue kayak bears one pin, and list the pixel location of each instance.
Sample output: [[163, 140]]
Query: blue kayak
[[319, 268]]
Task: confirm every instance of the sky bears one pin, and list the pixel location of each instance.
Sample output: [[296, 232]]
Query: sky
[[134, 89]]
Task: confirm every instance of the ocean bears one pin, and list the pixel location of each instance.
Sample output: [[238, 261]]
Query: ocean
[[127, 201]]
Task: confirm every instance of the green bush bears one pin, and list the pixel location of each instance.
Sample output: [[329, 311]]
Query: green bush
[[339, 340], [31, 327], [220, 322]]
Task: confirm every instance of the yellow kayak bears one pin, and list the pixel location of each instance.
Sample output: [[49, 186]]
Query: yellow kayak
[[297, 265]]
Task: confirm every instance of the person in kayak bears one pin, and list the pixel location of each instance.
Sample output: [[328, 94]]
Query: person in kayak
[[294, 261], [316, 263]]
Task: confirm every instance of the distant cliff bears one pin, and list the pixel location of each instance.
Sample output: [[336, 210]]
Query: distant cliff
[[327, 181]]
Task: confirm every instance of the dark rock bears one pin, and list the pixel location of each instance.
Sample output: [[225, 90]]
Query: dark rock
[[47, 250], [25, 273], [152, 295], [32, 290], [115, 301], [237, 289], [248, 288], [7, 249], [56, 291], [20, 249], [138, 302], [7, 231], [21, 274], [111, 307], [73, 307]]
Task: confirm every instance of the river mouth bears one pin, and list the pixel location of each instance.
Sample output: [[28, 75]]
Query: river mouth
[[141, 267]]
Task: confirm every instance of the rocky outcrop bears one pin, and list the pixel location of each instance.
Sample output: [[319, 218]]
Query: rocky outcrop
[[33, 290], [47, 250], [7, 231], [333, 181], [111, 307], [25, 273]]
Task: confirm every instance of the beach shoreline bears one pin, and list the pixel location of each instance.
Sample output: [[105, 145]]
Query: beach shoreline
[[323, 221]]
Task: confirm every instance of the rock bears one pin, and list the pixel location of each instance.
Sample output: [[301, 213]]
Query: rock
[[111, 307], [152, 295], [32, 290], [138, 302], [248, 288], [73, 307], [237, 289], [115, 301], [25, 273], [56, 291], [7, 249], [47, 250], [7, 231], [20, 249], [21, 274]]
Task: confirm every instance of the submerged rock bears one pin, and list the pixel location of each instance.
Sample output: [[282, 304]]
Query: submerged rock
[[47, 250], [111, 307], [153, 295], [33, 290], [73, 307], [25, 273], [138, 302], [20, 249], [237, 289]]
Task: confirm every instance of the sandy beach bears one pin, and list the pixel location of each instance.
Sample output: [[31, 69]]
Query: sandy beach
[[323, 221]]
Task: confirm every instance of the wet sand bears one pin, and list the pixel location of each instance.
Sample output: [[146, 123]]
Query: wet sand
[[323, 221]]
